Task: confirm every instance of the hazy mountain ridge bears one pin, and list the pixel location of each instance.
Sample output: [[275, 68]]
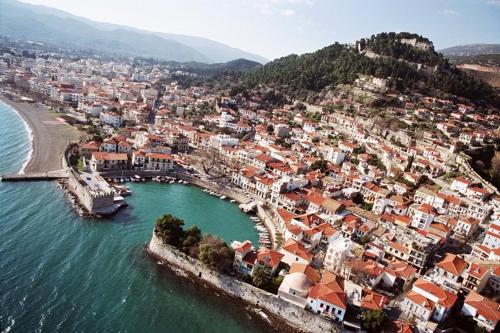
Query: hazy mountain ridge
[[471, 50], [45, 24]]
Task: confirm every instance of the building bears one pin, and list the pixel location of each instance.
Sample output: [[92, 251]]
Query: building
[[111, 118], [103, 161], [484, 311], [159, 161], [328, 298], [336, 253], [427, 301]]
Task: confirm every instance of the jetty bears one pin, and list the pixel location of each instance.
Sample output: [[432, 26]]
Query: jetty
[[35, 176]]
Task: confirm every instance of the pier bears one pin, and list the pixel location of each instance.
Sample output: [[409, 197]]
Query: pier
[[35, 176]]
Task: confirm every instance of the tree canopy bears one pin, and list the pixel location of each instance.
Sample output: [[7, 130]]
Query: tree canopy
[[372, 320], [215, 253], [408, 66]]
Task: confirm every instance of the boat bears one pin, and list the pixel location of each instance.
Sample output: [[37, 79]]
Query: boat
[[137, 177], [172, 181], [223, 197], [232, 200]]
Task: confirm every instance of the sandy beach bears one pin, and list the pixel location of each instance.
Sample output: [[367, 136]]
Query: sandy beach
[[51, 135]]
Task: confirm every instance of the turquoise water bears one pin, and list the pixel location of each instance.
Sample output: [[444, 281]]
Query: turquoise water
[[63, 273]]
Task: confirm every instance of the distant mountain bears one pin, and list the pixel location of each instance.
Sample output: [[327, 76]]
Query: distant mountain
[[45, 24], [408, 59], [471, 49]]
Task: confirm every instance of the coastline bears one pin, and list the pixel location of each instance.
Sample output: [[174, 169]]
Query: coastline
[[29, 131], [287, 318], [49, 136]]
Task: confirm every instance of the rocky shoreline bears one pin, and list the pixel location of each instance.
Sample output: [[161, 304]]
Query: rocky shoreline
[[281, 313], [73, 199], [275, 323]]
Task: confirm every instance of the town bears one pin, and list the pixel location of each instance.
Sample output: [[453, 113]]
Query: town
[[371, 199]]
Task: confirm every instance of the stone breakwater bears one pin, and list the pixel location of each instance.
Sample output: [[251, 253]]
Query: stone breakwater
[[296, 317]]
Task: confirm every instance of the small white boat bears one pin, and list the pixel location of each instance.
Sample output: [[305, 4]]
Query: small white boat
[[232, 200], [223, 197], [172, 181]]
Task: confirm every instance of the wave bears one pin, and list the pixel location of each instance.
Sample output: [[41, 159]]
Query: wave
[[31, 137]]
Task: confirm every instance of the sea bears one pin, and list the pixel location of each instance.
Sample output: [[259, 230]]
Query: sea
[[60, 272]]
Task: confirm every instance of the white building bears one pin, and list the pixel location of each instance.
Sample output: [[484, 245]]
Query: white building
[[336, 254], [111, 118]]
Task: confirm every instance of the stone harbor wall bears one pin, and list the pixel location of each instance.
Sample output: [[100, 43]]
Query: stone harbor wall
[[295, 316]]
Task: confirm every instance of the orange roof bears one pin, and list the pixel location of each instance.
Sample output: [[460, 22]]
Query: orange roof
[[269, 257], [285, 215], [478, 271], [401, 269], [373, 300], [399, 247], [309, 219], [297, 249], [420, 300], [453, 264], [109, 156], [445, 298], [426, 208], [244, 247], [90, 145], [485, 307], [160, 156], [310, 272], [331, 290]]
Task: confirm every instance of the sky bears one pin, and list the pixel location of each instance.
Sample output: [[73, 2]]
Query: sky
[[275, 28]]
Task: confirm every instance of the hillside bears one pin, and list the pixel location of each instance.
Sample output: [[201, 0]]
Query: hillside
[[485, 67], [471, 49], [49, 25], [412, 67]]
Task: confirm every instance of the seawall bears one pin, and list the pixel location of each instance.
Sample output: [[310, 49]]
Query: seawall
[[295, 316]]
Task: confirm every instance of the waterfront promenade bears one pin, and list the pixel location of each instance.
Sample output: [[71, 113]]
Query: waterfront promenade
[[50, 136]]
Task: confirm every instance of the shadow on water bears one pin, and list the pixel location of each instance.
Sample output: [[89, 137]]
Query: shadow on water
[[166, 279]]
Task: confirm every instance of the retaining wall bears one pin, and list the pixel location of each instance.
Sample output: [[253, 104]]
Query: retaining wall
[[292, 314]]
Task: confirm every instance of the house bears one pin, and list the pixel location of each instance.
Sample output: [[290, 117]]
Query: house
[[484, 311], [328, 298], [372, 300], [243, 262], [268, 258], [422, 216], [398, 271], [111, 118], [246, 258], [336, 253], [476, 277], [109, 145], [86, 149], [492, 237], [159, 161], [102, 161], [460, 184], [294, 252], [427, 301], [449, 272]]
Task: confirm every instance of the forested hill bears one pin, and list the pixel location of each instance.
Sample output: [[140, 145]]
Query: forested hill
[[409, 59]]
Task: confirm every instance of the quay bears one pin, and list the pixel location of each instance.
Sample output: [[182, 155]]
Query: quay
[[35, 176]]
